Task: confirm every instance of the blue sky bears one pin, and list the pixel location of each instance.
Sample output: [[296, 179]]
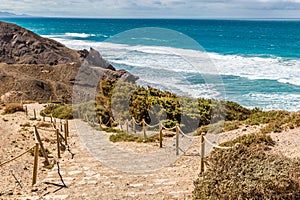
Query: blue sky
[[155, 8]]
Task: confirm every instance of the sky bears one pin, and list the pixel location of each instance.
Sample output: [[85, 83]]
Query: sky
[[155, 8]]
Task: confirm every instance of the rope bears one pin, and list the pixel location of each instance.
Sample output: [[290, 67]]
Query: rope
[[187, 134], [168, 129], [97, 124], [136, 122], [107, 123], [16, 156], [152, 126], [214, 145]]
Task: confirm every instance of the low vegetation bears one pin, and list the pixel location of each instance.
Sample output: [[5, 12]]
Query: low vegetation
[[122, 101], [60, 111], [249, 172], [127, 137], [12, 108]]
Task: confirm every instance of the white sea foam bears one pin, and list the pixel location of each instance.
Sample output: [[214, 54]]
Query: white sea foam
[[74, 35], [284, 71], [167, 68], [275, 101], [81, 35]]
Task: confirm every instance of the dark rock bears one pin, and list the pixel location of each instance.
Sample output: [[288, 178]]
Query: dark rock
[[94, 58], [21, 46], [37, 68]]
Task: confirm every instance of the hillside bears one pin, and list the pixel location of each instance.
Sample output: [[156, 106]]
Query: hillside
[[37, 68]]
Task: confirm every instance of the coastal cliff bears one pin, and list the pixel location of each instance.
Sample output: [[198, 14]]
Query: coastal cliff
[[37, 68]]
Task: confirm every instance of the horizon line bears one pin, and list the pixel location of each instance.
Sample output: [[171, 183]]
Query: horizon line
[[154, 18]]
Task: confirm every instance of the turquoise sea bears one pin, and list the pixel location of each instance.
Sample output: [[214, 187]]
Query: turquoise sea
[[253, 62]]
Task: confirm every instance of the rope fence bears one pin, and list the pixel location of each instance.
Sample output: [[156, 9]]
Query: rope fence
[[16, 157], [131, 124], [62, 135]]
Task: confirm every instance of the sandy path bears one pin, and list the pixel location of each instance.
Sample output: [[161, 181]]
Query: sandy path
[[88, 178]]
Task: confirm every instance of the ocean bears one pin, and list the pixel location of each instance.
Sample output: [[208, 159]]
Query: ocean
[[255, 63]]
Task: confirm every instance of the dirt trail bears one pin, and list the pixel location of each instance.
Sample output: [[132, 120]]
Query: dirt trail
[[88, 178]]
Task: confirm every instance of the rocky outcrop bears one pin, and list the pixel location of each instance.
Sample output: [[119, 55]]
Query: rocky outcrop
[[39, 68], [93, 58], [21, 46]]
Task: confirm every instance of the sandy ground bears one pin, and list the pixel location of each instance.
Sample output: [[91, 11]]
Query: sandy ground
[[86, 176], [17, 136]]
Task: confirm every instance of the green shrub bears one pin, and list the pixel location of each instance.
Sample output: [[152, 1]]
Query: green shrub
[[248, 172], [251, 139], [58, 111], [127, 137], [231, 125], [276, 120]]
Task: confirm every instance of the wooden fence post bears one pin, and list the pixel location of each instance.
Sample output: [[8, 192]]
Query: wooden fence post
[[35, 163], [38, 138], [133, 125], [51, 119], [66, 134], [121, 127], [93, 122], [100, 122], [144, 128], [111, 122], [34, 114], [57, 141], [160, 135], [61, 126], [202, 151], [26, 110], [177, 139]]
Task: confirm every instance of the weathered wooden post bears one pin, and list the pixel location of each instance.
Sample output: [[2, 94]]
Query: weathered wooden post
[[100, 122], [51, 119], [34, 114], [61, 126], [39, 140], [144, 127], [177, 139], [35, 163], [133, 125], [121, 127], [111, 122], [58, 146], [127, 125], [202, 151], [93, 122], [160, 135], [26, 110], [66, 134], [68, 131]]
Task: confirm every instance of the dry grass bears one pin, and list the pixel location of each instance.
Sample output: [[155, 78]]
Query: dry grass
[[12, 108], [249, 172]]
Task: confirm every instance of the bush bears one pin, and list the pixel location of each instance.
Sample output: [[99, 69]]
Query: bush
[[127, 137], [248, 172], [251, 139], [58, 111], [12, 108]]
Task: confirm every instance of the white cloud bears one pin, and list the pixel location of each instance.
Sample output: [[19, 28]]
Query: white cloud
[[155, 8]]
